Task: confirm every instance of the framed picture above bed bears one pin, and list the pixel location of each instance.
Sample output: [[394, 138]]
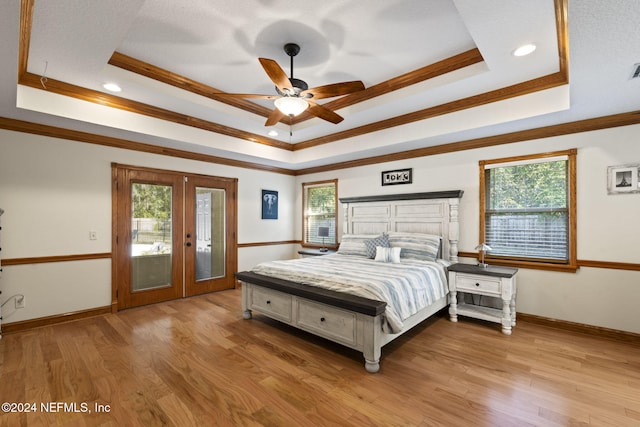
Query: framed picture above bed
[[269, 204], [399, 176], [623, 179]]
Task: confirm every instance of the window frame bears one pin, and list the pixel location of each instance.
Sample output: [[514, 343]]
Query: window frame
[[571, 264], [305, 186]]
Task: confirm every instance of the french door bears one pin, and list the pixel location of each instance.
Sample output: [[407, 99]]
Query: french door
[[174, 235], [210, 249]]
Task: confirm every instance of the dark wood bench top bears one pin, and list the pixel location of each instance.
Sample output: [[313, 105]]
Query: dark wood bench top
[[325, 296]]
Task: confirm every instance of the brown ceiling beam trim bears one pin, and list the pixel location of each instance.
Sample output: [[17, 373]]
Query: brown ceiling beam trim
[[616, 120], [107, 141], [427, 72], [26, 21], [562, 29], [464, 59], [73, 91], [439, 68], [156, 73], [28, 79], [524, 88]]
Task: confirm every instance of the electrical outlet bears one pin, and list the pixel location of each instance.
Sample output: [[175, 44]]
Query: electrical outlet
[[93, 235], [20, 302]]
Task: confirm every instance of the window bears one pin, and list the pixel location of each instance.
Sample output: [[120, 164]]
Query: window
[[319, 203], [527, 210]]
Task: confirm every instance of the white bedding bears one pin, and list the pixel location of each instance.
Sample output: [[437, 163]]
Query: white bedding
[[406, 287]]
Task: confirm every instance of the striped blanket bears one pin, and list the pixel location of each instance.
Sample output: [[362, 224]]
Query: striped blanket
[[406, 287]]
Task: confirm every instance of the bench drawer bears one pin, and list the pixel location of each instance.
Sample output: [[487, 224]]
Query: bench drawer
[[273, 303], [329, 322]]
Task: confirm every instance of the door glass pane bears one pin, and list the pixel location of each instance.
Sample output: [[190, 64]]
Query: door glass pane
[[210, 233], [151, 236]]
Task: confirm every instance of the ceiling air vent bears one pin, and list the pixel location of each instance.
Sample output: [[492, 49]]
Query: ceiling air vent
[[636, 71]]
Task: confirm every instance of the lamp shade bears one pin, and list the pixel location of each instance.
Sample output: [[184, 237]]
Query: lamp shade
[[483, 247], [291, 105], [323, 231]]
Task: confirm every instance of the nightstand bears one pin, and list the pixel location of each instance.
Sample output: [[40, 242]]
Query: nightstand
[[315, 252], [493, 281]]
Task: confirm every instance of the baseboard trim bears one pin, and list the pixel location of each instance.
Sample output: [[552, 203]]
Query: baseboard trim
[[606, 333], [52, 320]]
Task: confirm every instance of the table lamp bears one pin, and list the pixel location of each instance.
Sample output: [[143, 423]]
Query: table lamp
[[323, 232], [483, 248]]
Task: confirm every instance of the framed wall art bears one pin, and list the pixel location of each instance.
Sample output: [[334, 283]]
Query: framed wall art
[[395, 177], [269, 204], [623, 179]]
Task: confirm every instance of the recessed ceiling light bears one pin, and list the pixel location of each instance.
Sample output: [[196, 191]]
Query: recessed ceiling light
[[272, 133], [112, 87], [524, 50]]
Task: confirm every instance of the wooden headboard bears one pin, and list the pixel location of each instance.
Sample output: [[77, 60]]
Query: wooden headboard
[[432, 213]]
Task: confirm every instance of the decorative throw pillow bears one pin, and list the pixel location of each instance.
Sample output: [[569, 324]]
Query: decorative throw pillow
[[372, 244], [425, 247], [384, 254], [353, 244]]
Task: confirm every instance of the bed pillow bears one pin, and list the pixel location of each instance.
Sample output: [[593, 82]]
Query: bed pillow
[[424, 247], [386, 254], [372, 244], [353, 244]]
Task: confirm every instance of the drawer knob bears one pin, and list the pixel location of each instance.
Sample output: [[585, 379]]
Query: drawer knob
[[477, 284], [268, 301], [322, 319]]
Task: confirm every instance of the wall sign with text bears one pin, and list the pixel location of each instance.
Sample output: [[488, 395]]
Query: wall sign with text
[[400, 176]]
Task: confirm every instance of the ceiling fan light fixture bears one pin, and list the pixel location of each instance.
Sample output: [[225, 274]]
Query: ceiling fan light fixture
[[291, 105]]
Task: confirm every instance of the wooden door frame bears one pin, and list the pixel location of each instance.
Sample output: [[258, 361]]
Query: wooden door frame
[[232, 224]]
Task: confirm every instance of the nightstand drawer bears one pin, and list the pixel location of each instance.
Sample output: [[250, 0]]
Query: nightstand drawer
[[274, 303], [476, 284]]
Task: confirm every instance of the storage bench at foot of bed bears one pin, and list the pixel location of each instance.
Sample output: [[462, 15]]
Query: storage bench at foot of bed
[[352, 321]]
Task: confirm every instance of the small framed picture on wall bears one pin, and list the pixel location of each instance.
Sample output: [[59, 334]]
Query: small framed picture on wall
[[623, 179], [269, 204]]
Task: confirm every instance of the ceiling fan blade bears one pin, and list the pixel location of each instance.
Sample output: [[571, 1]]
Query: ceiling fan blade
[[276, 74], [324, 113], [275, 116], [335, 89], [244, 95]]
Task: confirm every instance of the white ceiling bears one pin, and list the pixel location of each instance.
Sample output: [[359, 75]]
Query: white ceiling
[[217, 43]]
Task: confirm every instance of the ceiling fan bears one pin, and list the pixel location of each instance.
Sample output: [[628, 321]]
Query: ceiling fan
[[294, 95]]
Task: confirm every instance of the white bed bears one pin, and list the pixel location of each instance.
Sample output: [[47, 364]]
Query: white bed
[[356, 321]]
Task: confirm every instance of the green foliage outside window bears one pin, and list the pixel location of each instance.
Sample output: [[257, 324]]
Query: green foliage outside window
[[537, 185], [320, 211], [526, 213], [151, 201]]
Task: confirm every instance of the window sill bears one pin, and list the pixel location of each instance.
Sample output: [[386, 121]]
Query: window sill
[[534, 265]]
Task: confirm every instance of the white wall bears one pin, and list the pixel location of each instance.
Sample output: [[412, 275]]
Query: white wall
[[55, 191], [608, 225]]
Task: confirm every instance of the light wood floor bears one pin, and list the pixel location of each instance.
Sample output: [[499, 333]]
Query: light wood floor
[[197, 362]]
